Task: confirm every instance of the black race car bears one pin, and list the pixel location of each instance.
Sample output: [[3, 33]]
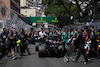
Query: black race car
[[52, 48]]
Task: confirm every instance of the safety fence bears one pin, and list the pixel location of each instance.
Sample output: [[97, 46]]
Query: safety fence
[[9, 18], [16, 23], [95, 23]]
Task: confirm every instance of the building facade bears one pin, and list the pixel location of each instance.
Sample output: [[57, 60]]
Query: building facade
[[15, 6], [8, 9], [4, 9], [28, 12], [30, 7], [22, 3]]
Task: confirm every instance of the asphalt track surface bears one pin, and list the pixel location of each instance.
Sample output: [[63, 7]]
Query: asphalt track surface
[[34, 61]]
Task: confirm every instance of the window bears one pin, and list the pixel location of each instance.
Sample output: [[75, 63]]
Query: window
[[25, 11]]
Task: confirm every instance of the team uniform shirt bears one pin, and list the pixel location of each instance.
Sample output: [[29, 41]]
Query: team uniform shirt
[[51, 35], [65, 36], [10, 43], [22, 37], [3, 36], [81, 40], [93, 35], [42, 34]]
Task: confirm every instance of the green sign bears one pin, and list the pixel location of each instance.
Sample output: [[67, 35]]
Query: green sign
[[43, 19]]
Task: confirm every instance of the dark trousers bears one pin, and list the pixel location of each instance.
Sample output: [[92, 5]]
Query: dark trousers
[[26, 48], [21, 50], [17, 47], [83, 52], [94, 47]]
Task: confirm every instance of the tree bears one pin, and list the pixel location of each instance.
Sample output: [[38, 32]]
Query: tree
[[60, 8], [86, 15]]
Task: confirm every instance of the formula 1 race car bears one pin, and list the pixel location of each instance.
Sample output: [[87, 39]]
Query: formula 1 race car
[[52, 48]]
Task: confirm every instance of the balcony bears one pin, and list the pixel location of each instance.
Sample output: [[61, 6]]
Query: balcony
[[16, 3], [29, 4]]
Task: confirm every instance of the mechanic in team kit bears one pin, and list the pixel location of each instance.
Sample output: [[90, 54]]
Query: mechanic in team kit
[[26, 42], [10, 44], [65, 37], [22, 37], [42, 35], [93, 37], [4, 35], [81, 50]]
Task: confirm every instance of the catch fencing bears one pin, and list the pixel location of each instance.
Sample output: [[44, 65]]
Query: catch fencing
[[95, 23], [9, 18]]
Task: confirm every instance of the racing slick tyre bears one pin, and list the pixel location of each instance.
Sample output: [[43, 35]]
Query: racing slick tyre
[[42, 51], [37, 46]]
